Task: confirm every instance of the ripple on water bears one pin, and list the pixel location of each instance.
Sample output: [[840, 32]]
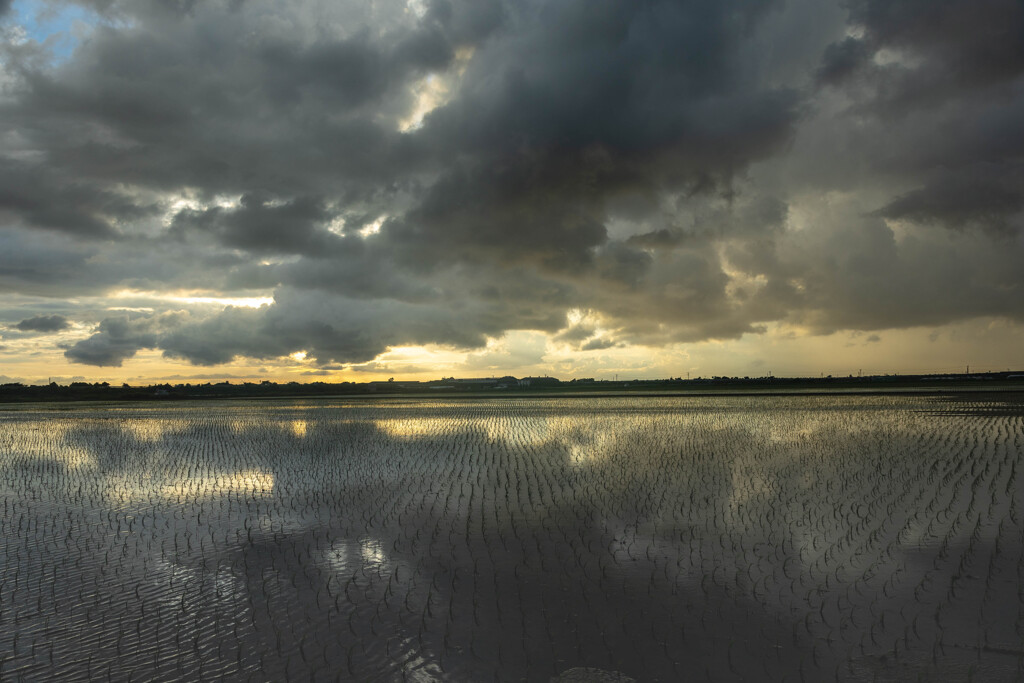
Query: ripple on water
[[821, 538]]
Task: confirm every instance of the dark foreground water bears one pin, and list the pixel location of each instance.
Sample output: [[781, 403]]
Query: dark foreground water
[[771, 538]]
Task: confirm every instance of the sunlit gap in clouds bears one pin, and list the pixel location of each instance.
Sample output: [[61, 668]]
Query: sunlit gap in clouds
[[373, 227], [337, 226], [434, 91], [412, 359], [187, 200], [194, 297]]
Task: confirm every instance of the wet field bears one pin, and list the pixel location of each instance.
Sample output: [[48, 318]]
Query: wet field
[[794, 538]]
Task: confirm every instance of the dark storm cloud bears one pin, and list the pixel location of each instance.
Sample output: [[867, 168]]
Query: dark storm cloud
[[119, 338], [567, 103], [447, 171], [753, 217], [262, 225], [988, 195], [940, 86], [955, 46], [598, 345], [327, 328], [843, 60], [576, 333], [43, 263], [354, 72], [47, 199], [43, 323], [980, 39], [587, 101], [211, 100]]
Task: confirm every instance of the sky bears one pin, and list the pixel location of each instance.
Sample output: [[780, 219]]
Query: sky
[[326, 190]]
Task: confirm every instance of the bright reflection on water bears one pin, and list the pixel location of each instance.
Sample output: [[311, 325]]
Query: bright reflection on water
[[254, 483], [785, 538], [299, 427]]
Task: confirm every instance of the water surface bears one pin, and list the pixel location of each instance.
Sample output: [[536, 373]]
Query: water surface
[[729, 538]]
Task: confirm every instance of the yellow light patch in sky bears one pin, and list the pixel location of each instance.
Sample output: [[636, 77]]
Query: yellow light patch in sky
[[194, 297], [986, 344], [419, 356]]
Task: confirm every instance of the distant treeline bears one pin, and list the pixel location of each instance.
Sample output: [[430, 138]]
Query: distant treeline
[[104, 391]]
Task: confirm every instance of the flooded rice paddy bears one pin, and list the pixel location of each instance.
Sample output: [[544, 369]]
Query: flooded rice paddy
[[795, 538]]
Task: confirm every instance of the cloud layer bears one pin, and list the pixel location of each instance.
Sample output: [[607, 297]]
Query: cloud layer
[[444, 172]]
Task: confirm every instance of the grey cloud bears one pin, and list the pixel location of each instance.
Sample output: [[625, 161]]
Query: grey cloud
[[753, 216], [857, 275], [985, 195], [106, 350], [936, 108], [599, 101], [355, 71], [226, 335], [34, 263], [329, 328], [958, 45], [618, 262], [467, 22], [188, 103], [264, 225], [49, 199], [842, 60], [119, 338], [598, 344], [43, 323], [46, 264], [649, 161], [657, 239], [980, 36], [575, 333]]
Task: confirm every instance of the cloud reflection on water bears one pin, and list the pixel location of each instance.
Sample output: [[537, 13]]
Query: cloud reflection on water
[[456, 541]]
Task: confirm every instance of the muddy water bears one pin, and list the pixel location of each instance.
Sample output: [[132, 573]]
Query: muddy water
[[785, 538]]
